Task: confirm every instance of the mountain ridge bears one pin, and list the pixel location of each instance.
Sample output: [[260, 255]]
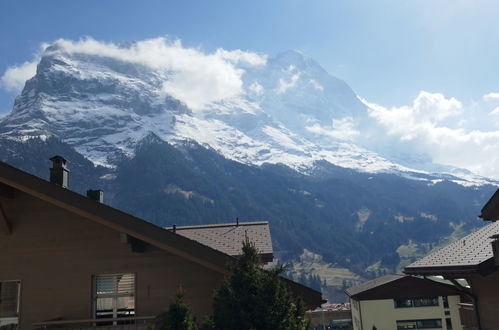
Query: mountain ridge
[[103, 106]]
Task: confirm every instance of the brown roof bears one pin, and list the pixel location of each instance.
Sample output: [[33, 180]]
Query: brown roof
[[374, 283], [228, 238], [472, 253], [399, 286]]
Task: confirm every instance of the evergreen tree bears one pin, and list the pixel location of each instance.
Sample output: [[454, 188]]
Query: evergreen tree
[[178, 317], [253, 298]]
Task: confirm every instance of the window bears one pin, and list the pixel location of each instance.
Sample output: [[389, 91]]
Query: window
[[9, 302], [416, 302], [448, 322], [401, 303], [445, 301], [427, 301], [420, 324], [114, 296]]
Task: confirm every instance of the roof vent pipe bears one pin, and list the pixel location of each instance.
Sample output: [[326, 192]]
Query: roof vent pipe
[[96, 195], [59, 173], [174, 228]]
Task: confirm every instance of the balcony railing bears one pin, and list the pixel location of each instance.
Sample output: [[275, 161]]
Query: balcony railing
[[132, 323], [468, 316]]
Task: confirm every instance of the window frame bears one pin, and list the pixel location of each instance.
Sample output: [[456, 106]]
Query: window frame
[[16, 318], [114, 295], [416, 302]]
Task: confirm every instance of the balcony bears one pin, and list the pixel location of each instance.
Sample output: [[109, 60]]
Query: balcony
[[468, 316], [122, 323]]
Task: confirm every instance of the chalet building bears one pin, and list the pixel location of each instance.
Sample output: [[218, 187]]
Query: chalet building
[[70, 261], [404, 302], [474, 258]]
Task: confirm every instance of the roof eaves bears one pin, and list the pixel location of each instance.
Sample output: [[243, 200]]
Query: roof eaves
[[395, 277], [484, 268]]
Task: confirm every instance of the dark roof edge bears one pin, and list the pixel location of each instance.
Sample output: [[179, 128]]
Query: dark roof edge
[[220, 225], [400, 276], [403, 277], [439, 270]]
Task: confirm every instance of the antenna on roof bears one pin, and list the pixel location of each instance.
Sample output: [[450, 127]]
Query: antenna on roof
[[237, 221]]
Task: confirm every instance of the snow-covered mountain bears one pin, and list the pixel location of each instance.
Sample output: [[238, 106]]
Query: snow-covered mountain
[[289, 110]]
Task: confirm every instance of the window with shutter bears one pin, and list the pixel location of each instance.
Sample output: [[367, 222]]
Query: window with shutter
[[9, 303], [114, 295]]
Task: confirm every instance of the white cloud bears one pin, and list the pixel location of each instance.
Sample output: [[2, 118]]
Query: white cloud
[[238, 55], [15, 76], [195, 77], [424, 126], [316, 85], [256, 88], [284, 85], [491, 96], [424, 114], [343, 129]]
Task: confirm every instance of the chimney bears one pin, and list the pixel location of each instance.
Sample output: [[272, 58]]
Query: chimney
[[96, 195], [59, 172]]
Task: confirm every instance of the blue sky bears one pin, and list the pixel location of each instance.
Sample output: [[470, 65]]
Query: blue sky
[[387, 51]]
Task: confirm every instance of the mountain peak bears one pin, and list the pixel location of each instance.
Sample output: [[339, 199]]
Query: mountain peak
[[287, 112]]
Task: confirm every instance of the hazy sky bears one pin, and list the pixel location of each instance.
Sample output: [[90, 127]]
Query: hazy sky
[[429, 68], [387, 50]]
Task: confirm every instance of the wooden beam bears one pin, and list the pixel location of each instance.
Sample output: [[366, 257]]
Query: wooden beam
[[4, 223]]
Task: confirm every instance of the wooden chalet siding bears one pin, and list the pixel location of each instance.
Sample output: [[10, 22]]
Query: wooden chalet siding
[[55, 252], [486, 289]]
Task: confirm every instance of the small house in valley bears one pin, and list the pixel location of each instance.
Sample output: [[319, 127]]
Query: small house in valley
[[404, 302], [70, 261]]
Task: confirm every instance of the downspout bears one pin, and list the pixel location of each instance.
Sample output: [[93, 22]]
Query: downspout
[[474, 298]]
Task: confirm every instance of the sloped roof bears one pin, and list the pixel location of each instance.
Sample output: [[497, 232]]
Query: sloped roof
[[228, 238], [472, 253], [399, 286], [374, 283]]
